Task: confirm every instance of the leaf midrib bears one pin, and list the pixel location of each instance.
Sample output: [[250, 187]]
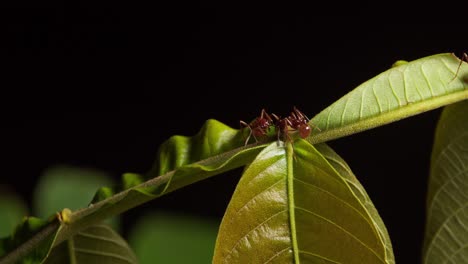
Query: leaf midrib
[[291, 205]]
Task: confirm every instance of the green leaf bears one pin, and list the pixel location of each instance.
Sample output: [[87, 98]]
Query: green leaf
[[66, 187], [71, 187], [404, 90], [97, 244], [213, 139], [12, 210], [30, 227], [446, 235], [190, 160], [303, 207], [171, 238]]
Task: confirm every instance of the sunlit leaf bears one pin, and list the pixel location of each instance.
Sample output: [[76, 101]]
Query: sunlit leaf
[[170, 238], [404, 90], [301, 207], [446, 237]]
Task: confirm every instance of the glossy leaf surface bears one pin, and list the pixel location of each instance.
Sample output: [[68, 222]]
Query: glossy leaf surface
[[446, 237], [303, 207]]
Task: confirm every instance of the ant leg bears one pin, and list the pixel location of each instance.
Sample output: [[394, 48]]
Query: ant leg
[[265, 115], [275, 116], [244, 124], [314, 126], [278, 138], [302, 115]]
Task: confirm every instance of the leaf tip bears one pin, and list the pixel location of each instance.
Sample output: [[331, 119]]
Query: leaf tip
[[102, 193]]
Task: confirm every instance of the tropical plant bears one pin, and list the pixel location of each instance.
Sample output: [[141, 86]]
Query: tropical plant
[[297, 200]]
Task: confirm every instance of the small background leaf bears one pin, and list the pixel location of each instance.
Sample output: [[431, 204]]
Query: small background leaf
[[97, 244], [300, 208], [446, 236], [12, 210], [68, 187], [170, 238]]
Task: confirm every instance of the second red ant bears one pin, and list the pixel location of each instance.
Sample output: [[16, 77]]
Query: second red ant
[[259, 127]]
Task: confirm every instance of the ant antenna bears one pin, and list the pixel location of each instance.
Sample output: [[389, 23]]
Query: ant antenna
[[464, 58]]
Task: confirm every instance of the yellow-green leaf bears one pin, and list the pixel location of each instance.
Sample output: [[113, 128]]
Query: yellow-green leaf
[[402, 91], [446, 235], [302, 205]]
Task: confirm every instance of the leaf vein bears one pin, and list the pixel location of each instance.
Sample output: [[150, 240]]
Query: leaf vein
[[319, 256], [338, 199], [377, 100], [253, 229], [105, 254], [258, 194], [276, 255], [344, 231], [427, 81], [441, 227], [393, 91]]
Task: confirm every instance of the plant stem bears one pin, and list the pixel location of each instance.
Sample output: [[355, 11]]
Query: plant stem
[[132, 197]]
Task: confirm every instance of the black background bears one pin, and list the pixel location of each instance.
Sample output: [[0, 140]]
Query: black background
[[103, 86]]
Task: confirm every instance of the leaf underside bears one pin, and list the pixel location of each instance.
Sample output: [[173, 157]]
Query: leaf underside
[[446, 235], [303, 207], [404, 90]]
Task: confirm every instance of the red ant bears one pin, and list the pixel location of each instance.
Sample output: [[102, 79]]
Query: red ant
[[296, 121], [259, 127], [263, 125], [300, 122]]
